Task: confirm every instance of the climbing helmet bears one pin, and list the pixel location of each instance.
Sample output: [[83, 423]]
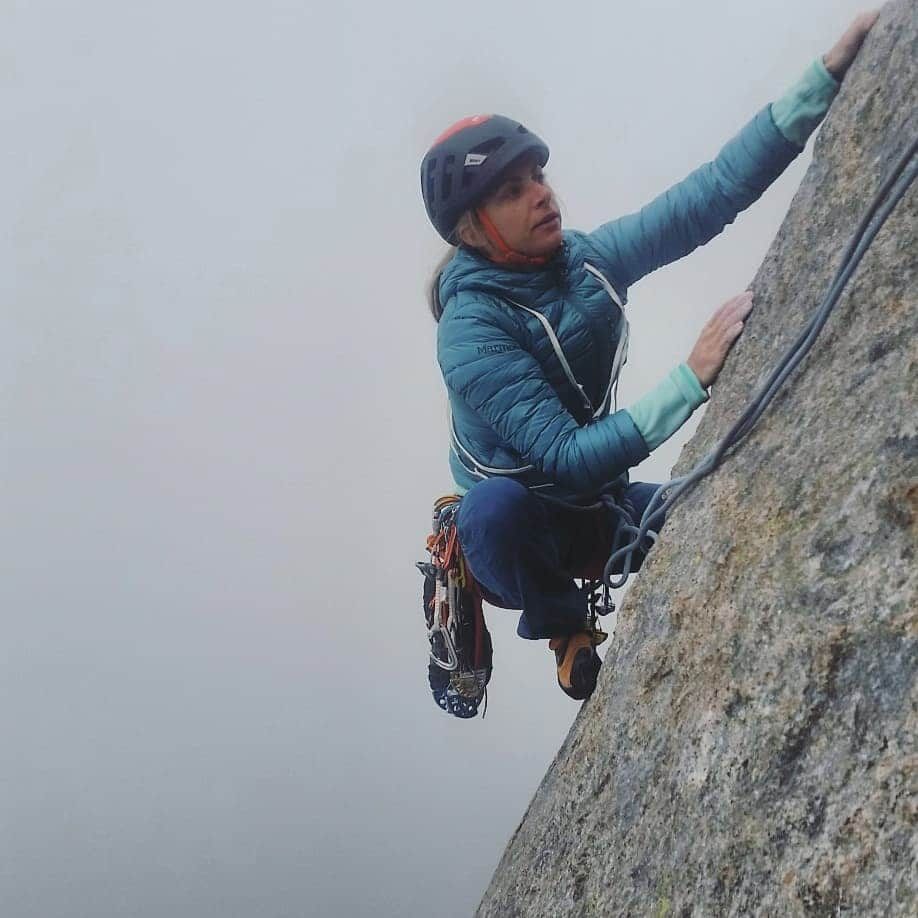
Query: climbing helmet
[[465, 163]]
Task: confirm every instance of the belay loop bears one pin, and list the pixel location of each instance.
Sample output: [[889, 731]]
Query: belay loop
[[460, 645], [628, 539], [631, 535]]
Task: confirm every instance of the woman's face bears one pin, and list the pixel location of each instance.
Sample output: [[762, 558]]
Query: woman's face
[[524, 210]]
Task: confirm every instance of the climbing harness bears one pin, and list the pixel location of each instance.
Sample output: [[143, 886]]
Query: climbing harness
[[461, 652], [880, 207], [460, 645]]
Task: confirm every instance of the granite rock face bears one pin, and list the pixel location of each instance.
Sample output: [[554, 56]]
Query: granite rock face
[[750, 749]]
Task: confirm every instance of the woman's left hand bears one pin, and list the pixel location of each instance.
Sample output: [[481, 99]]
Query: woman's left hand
[[839, 59]]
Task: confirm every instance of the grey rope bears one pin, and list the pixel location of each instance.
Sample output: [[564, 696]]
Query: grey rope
[[881, 206]]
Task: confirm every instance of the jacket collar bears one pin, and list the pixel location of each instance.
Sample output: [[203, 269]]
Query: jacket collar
[[470, 271]]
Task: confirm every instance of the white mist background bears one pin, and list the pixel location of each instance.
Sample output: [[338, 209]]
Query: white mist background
[[222, 425]]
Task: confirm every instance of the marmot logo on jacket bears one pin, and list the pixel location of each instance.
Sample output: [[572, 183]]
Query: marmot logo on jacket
[[494, 348]]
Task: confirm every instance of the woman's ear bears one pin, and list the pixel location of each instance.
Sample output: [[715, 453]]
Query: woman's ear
[[471, 234]]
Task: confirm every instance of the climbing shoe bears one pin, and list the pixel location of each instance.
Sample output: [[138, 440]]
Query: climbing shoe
[[578, 664]]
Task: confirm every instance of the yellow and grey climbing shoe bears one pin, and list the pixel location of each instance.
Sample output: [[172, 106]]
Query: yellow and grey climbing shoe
[[578, 664]]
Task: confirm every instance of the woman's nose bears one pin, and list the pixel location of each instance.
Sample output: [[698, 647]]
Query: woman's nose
[[542, 193]]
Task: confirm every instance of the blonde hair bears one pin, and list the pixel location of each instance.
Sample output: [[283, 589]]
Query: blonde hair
[[468, 221]]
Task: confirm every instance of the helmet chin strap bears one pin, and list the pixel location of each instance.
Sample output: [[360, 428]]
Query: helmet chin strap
[[504, 254]]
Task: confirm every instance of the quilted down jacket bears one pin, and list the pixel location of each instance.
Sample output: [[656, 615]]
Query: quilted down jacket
[[526, 405]]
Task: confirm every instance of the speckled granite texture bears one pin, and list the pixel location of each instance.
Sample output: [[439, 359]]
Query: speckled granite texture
[[750, 749]]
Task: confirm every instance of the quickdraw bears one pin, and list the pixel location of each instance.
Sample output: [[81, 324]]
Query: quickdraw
[[599, 603], [460, 645]]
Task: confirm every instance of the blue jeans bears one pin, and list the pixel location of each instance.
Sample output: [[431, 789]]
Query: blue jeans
[[524, 552]]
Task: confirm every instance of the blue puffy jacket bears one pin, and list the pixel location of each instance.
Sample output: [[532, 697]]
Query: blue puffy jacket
[[514, 406]]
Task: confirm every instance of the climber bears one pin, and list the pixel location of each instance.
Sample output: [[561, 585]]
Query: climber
[[532, 335]]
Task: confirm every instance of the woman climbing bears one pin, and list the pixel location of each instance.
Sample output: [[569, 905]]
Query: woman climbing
[[532, 336]]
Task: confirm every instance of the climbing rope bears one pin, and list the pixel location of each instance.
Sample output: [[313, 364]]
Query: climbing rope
[[643, 535]]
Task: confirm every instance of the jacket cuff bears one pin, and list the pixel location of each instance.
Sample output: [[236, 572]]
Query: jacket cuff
[[690, 386], [798, 112], [660, 413]]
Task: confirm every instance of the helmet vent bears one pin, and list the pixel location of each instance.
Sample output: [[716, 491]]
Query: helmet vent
[[431, 180], [489, 146], [448, 163]]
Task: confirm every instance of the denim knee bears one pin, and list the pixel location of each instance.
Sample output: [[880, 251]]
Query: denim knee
[[494, 512]]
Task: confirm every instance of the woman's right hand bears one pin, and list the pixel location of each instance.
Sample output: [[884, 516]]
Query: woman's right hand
[[717, 337], [843, 52]]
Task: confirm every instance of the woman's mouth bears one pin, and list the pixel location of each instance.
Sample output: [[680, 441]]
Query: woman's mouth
[[551, 221]]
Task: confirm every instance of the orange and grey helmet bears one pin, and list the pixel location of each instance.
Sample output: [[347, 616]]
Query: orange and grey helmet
[[465, 163]]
